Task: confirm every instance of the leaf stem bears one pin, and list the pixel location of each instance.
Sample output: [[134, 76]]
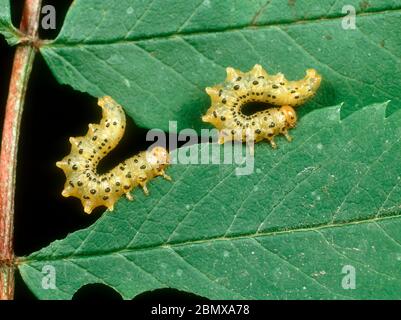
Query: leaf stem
[[22, 66]]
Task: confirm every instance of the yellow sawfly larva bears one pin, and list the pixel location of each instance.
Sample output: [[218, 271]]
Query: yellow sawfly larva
[[80, 166], [241, 88]]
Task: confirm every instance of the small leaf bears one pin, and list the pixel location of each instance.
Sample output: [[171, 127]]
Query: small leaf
[[327, 202], [6, 28], [156, 57]]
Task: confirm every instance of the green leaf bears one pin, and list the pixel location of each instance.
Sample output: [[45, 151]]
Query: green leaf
[[6, 28], [156, 57], [328, 200]]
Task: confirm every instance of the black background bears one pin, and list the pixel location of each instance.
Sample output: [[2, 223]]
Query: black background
[[52, 113]]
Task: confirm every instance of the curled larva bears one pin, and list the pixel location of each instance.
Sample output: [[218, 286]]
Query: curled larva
[[80, 165], [257, 86]]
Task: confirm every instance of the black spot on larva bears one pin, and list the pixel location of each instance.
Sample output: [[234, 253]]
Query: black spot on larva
[[257, 131], [87, 166], [126, 187], [86, 197], [117, 190], [220, 92], [232, 131], [236, 87], [261, 77], [94, 138], [296, 97], [272, 125], [255, 82], [93, 191], [270, 135], [122, 168], [107, 125], [105, 198], [80, 151], [265, 118], [71, 184], [253, 123], [274, 86], [94, 180], [74, 167], [223, 118], [143, 166], [128, 176], [274, 97], [293, 91], [88, 175], [239, 78], [282, 83], [107, 189], [224, 101], [215, 114], [118, 183], [136, 160], [114, 123]]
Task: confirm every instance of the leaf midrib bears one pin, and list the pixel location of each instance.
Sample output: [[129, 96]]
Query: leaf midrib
[[272, 232], [172, 35]]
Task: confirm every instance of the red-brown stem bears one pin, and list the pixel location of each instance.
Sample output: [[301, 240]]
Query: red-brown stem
[[22, 66]]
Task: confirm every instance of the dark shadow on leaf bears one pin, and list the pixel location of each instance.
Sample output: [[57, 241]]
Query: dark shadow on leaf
[[96, 291]]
